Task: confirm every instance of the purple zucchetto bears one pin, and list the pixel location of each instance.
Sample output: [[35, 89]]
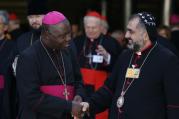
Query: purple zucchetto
[[53, 17]]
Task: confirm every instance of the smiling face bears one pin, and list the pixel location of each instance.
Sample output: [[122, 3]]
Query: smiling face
[[136, 35], [59, 35]]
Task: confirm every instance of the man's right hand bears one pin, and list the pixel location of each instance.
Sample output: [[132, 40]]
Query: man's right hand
[[76, 109]]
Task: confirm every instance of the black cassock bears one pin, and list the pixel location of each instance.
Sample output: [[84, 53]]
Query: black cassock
[[27, 39], [168, 44], [22, 42], [35, 69], [154, 95], [6, 58]]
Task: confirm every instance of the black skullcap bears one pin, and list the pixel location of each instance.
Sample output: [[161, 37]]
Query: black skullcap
[[150, 24], [37, 7]]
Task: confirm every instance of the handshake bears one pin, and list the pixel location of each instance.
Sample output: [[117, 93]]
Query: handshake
[[79, 109]]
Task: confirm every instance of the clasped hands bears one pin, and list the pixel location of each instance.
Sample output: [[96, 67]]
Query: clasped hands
[[79, 108]]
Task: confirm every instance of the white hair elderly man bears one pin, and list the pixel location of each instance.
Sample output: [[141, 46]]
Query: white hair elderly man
[[96, 52]]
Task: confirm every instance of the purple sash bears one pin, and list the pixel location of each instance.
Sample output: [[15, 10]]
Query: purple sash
[[1, 82], [58, 91]]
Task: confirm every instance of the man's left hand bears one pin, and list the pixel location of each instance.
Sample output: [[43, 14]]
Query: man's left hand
[[102, 51], [78, 99]]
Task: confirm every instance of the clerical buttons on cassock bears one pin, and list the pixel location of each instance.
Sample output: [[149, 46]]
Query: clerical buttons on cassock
[[133, 73]]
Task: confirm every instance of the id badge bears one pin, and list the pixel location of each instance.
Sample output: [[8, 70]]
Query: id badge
[[132, 73], [97, 59]]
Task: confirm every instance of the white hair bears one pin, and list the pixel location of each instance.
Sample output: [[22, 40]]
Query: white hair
[[105, 24], [89, 18]]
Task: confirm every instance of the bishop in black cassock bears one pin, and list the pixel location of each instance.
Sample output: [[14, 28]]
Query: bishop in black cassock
[[144, 82], [48, 75]]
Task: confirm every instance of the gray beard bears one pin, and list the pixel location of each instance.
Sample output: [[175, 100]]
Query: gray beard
[[135, 47]]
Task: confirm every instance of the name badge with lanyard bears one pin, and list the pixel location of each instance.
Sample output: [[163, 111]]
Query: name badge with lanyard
[[133, 73]]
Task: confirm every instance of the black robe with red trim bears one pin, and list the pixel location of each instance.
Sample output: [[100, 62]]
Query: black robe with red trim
[[154, 95], [35, 69], [84, 46], [94, 74]]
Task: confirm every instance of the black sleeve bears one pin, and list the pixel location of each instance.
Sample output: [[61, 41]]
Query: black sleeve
[[116, 52], [114, 49], [102, 98], [10, 94], [79, 87], [28, 84], [171, 87]]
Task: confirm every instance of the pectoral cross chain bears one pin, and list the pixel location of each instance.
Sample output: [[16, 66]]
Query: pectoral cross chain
[[66, 93]]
